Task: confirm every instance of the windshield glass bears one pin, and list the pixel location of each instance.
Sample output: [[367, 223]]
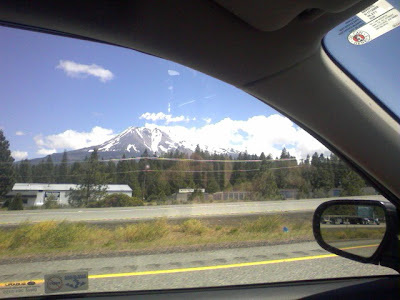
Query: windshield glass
[[122, 171], [368, 47]]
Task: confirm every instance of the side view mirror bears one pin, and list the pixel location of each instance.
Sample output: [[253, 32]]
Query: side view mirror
[[362, 230]]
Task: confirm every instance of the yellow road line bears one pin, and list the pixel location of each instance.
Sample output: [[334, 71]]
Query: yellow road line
[[358, 247], [196, 269], [217, 267], [183, 270]]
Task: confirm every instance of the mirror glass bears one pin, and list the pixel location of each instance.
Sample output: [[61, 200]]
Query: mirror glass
[[356, 229]]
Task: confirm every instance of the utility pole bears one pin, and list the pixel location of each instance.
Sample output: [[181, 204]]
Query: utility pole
[[147, 167]]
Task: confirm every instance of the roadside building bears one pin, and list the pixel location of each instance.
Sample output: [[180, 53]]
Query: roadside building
[[183, 195], [34, 194]]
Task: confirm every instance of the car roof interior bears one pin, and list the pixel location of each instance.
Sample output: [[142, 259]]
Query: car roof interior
[[270, 49]]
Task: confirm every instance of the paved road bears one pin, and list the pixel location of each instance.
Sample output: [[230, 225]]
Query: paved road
[[299, 261], [170, 211], [358, 226]]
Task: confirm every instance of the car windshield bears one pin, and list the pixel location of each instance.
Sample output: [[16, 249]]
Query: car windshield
[[123, 171], [369, 43]]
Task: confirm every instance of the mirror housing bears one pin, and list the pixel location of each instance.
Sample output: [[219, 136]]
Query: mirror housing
[[387, 253]]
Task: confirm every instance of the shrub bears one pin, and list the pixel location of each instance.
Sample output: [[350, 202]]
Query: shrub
[[50, 204], [6, 203], [264, 224], [194, 227], [117, 200], [196, 196], [47, 234], [143, 232], [60, 235], [16, 203], [320, 193]]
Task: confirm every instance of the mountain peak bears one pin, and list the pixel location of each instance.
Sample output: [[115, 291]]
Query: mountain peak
[[133, 141]]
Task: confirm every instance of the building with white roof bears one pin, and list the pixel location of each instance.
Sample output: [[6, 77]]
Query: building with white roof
[[34, 194]]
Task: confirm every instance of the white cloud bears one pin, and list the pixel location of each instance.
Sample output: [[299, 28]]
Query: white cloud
[[171, 88], [19, 133], [71, 140], [169, 107], [173, 73], [46, 152], [186, 103], [19, 155], [207, 120], [165, 117], [74, 69], [210, 96], [254, 135]]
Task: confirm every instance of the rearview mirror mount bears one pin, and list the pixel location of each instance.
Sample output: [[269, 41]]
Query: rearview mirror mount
[[362, 230]]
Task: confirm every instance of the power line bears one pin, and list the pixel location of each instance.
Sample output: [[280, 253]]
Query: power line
[[168, 159], [179, 171], [161, 171]]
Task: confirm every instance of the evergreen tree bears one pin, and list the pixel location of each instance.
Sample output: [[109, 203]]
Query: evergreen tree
[[322, 177], [44, 171], [62, 170], [38, 175], [352, 184], [49, 170], [92, 186], [123, 169], [283, 174], [111, 173], [134, 180], [25, 172], [76, 173], [7, 175], [265, 185], [212, 185], [16, 203]]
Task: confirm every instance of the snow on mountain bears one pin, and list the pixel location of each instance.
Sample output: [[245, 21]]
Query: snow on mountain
[[136, 140], [133, 141]]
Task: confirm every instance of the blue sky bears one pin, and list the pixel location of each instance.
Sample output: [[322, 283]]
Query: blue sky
[[376, 64], [42, 98], [60, 93]]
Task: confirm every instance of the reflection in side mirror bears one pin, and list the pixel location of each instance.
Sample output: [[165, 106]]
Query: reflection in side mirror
[[353, 228], [362, 230]]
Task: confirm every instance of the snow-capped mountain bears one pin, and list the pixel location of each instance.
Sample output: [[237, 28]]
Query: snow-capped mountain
[[134, 141]]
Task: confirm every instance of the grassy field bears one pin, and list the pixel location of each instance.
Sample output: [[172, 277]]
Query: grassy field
[[352, 234], [58, 238]]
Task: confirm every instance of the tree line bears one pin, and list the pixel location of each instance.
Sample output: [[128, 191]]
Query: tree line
[[156, 179]]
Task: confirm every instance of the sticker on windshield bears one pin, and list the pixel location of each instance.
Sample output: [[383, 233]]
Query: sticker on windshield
[[378, 19], [19, 288], [66, 282]]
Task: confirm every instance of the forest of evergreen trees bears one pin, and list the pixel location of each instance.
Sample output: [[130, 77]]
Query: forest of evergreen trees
[[155, 178]]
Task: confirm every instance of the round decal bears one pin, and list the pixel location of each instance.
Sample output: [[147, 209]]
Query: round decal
[[54, 283], [359, 37]]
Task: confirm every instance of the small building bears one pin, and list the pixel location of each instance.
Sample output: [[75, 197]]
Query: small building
[[34, 194], [183, 194]]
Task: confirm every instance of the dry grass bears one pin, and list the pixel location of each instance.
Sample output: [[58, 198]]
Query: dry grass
[[350, 234], [65, 237]]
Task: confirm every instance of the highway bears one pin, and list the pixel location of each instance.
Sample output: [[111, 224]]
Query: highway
[[122, 214], [290, 262], [359, 226]]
